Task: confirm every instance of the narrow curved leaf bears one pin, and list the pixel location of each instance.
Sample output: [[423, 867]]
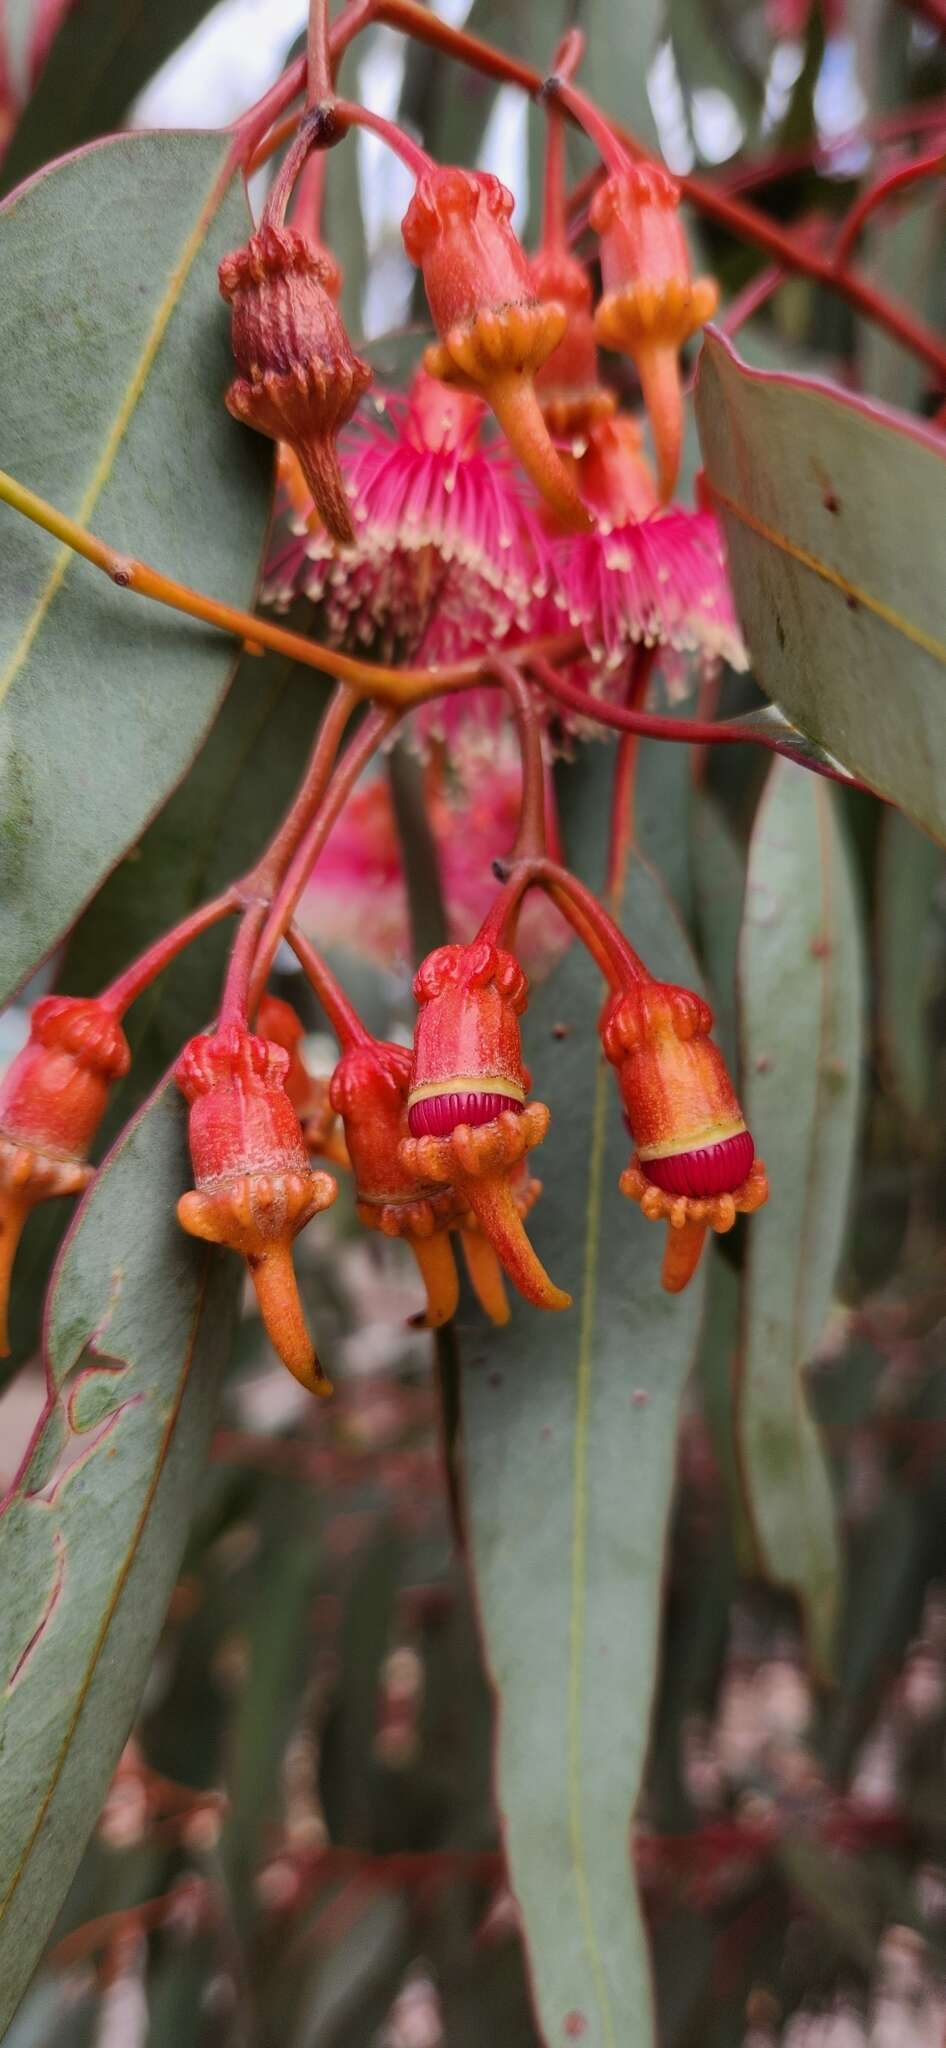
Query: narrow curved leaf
[[569, 1434], [102, 55], [114, 349], [834, 511], [802, 993], [93, 1529]]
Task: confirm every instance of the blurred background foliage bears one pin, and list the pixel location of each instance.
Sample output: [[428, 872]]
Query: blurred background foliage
[[300, 1846]]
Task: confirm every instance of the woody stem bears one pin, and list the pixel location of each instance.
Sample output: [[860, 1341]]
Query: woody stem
[[378, 723], [367, 678]]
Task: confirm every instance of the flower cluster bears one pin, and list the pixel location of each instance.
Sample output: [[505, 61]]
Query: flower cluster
[[452, 551], [420, 540]]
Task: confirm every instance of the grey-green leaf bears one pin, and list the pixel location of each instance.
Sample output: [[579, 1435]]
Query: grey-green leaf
[[802, 992], [115, 358], [834, 511], [910, 875], [92, 1532], [569, 1434]]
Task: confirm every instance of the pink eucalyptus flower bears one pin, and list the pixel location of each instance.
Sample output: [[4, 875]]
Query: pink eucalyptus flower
[[357, 895], [449, 554], [646, 576]]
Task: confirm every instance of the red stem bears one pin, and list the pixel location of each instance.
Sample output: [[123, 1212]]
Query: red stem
[[378, 723], [318, 60], [621, 836], [416, 159], [341, 1014], [684, 731], [530, 833], [132, 982], [892, 181], [883, 128]]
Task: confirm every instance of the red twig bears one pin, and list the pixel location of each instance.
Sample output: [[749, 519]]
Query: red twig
[[893, 181]]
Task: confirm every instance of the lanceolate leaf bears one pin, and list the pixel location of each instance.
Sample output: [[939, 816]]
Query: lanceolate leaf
[[834, 511], [101, 57], [114, 349], [569, 1432], [92, 1532], [802, 990]]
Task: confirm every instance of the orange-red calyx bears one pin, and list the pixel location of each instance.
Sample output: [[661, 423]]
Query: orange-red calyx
[[470, 1124], [495, 334], [255, 1189], [300, 379], [651, 304], [52, 1100], [694, 1164], [369, 1092], [568, 386]]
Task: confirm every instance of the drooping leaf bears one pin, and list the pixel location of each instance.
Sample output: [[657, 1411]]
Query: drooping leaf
[[569, 1432], [115, 358], [100, 58], [910, 875], [833, 511], [802, 993], [92, 1532]]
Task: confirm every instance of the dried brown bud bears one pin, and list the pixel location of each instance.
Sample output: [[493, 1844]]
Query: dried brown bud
[[300, 378]]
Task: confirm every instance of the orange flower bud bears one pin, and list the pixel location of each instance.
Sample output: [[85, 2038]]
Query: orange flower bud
[[469, 1121], [651, 305], [300, 379], [369, 1091], [494, 333], [695, 1161], [52, 1100], [569, 388], [255, 1189]]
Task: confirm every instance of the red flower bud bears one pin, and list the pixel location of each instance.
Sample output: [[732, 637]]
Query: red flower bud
[[695, 1161], [569, 388], [494, 333], [255, 1188], [52, 1100], [469, 1121], [651, 305], [369, 1091], [300, 380]]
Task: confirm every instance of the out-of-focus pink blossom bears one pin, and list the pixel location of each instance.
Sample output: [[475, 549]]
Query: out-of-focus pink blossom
[[357, 895]]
